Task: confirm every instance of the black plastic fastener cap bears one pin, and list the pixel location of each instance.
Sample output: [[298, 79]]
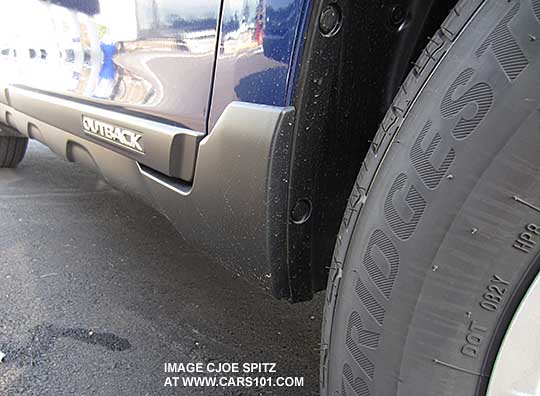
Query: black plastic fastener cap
[[330, 20], [301, 211]]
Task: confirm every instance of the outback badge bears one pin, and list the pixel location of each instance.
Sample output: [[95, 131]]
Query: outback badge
[[120, 136]]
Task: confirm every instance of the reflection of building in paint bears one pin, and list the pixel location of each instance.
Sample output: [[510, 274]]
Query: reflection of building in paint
[[59, 57], [136, 53], [91, 54], [255, 52], [244, 26], [76, 45]]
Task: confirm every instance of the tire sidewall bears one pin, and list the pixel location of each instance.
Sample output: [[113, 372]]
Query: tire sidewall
[[462, 237]]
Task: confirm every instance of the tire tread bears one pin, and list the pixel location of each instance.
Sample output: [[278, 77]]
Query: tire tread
[[12, 150]]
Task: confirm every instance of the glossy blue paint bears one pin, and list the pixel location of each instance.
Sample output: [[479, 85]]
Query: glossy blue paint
[[258, 52], [154, 57]]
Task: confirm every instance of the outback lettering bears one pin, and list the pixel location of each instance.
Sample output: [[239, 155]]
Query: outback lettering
[[121, 136]]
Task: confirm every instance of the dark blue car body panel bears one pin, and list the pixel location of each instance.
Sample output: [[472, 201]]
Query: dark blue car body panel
[[258, 51], [162, 59]]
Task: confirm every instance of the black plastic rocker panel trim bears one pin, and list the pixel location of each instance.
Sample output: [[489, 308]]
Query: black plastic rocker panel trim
[[233, 209], [168, 149]]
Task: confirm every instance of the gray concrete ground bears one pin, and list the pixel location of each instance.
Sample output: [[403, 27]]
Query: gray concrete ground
[[98, 291]]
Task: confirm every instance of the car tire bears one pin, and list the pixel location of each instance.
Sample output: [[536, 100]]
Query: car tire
[[12, 150], [441, 235]]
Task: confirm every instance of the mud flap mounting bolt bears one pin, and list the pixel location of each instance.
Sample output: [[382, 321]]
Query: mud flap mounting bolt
[[397, 16], [330, 20], [301, 211]]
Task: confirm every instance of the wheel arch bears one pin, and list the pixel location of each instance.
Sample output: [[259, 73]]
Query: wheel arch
[[346, 83]]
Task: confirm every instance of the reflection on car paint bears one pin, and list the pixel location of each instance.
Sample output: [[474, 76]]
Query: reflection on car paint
[[150, 56], [154, 57], [256, 51]]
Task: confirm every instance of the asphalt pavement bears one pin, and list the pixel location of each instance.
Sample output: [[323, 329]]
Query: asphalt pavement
[[98, 292]]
